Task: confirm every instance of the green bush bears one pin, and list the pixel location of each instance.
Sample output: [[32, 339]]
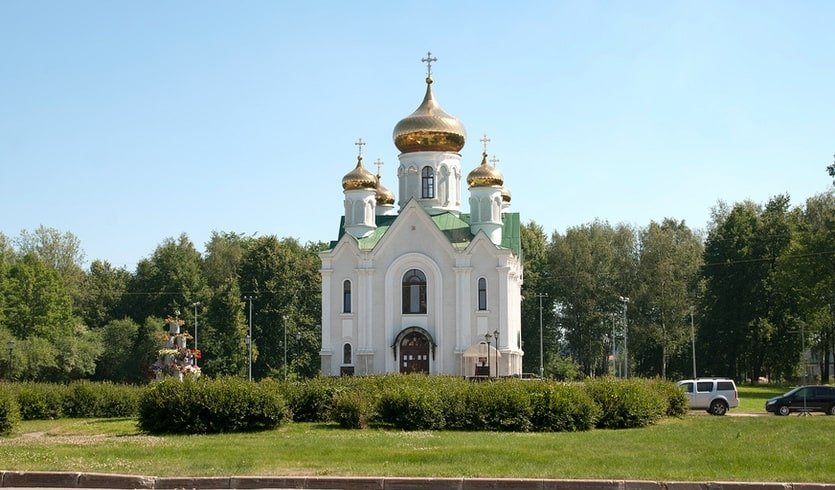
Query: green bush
[[676, 400], [351, 410], [81, 400], [310, 401], [40, 401], [561, 407], [626, 404], [411, 407], [505, 405], [9, 412], [205, 406]]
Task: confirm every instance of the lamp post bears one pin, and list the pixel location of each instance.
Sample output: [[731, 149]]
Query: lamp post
[[541, 348], [10, 345], [195, 305], [625, 301], [488, 338], [284, 317], [249, 335], [802, 333], [496, 334], [693, 341]]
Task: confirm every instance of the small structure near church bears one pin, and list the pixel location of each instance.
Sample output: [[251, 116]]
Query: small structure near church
[[424, 288], [176, 360]]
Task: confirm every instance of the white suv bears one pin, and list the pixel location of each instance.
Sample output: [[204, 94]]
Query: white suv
[[716, 395]]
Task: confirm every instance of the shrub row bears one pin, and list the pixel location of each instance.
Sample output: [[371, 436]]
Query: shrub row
[[78, 399], [203, 406], [9, 412], [434, 403]]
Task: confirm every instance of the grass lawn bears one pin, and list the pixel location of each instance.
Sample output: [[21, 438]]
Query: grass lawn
[[702, 448]]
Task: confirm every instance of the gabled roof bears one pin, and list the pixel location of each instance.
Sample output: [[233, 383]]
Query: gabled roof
[[456, 229]]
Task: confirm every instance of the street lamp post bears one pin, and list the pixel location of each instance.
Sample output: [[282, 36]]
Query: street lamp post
[[625, 301], [10, 345], [284, 317], [195, 305], [541, 347], [249, 335], [693, 341], [496, 334], [488, 338]]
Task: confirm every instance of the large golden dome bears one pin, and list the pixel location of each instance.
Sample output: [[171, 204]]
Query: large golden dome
[[429, 128], [359, 178], [485, 175], [384, 196]]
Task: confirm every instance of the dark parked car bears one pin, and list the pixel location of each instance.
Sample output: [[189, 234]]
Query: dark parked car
[[804, 398]]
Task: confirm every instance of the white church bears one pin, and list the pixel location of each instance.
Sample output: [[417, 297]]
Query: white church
[[425, 288]]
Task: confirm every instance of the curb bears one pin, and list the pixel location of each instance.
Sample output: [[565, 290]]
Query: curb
[[52, 479]]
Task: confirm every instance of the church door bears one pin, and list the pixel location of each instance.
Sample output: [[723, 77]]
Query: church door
[[414, 353]]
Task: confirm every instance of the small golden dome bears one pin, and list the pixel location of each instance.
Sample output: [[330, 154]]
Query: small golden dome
[[484, 175], [429, 128], [505, 194], [384, 196], [359, 178]]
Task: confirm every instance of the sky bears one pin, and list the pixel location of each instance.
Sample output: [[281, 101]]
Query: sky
[[126, 123]]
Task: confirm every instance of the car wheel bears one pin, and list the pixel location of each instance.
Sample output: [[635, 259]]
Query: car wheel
[[831, 410], [718, 407], [783, 410]]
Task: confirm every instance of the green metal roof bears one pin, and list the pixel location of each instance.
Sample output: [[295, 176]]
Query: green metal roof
[[455, 228]]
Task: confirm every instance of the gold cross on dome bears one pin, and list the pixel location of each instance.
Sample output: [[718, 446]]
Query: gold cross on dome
[[428, 60], [360, 143], [378, 163], [494, 161], [484, 140]]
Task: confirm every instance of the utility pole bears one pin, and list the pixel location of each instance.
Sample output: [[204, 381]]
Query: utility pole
[[693, 341], [625, 301], [249, 335], [541, 348], [195, 305]]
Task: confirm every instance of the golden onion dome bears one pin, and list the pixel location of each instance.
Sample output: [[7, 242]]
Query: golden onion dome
[[505, 194], [485, 175], [384, 196], [429, 128], [359, 178]]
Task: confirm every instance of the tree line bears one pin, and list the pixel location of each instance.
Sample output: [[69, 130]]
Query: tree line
[[749, 293]]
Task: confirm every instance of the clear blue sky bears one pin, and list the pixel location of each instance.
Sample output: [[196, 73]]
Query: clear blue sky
[[129, 122]]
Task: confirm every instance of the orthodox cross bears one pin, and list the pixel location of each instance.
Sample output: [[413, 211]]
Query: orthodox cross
[[494, 161], [378, 163], [484, 140], [360, 143], [428, 60]]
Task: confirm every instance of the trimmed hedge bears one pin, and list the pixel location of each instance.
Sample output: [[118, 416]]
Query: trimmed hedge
[[205, 406], [9, 412], [44, 401], [626, 404]]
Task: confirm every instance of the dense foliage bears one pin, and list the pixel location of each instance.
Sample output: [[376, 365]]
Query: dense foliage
[[78, 399], [205, 406], [9, 412], [748, 294]]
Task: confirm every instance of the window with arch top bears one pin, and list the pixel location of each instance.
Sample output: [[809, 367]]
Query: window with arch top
[[346, 354], [427, 183], [414, 292], [346, 296], [482, 294]]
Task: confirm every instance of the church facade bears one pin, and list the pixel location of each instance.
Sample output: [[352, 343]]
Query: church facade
[[425, 288]]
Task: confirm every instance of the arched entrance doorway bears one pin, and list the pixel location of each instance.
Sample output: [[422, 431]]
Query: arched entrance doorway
[[414, 345]]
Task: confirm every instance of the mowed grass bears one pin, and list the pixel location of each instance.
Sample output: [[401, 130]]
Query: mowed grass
[[701, 448]]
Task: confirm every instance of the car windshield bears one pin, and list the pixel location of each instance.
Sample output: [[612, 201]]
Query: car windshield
[[792, 392]]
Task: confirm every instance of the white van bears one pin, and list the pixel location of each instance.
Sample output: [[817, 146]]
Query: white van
[[716, 395]]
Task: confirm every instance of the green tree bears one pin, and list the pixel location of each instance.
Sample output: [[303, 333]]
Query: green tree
[[116, 362], [223, 344], [537, 282], [104, 290], [669, 266], [285, 278], [593, 266], [171, 279]]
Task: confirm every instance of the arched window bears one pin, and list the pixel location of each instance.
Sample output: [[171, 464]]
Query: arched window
[[482, 293], [414, 292], [346, 296], [427, 183], [346, 354]]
